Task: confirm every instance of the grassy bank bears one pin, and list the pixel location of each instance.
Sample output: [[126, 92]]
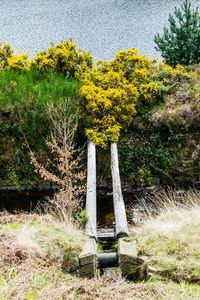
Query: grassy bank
[[171, 241], [27, 104], [38, 256]]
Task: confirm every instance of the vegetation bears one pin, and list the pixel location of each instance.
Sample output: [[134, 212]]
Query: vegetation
[[171, 239], [36, 252], [27, 96], [168, 152], [30, 94], [180, 44], [115, 91], [46, 106], [67, 173], [64, 58], [118, 100], [42, 103], [148, 158], [25, 102], [39, 256]]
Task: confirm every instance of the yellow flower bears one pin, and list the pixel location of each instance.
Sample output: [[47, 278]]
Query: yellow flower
[[18, 63], [112, 90]]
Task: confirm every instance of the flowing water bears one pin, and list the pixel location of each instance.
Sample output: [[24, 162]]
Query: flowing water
[[99, 26]]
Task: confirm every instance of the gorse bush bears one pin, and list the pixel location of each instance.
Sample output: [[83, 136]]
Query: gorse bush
[[6, 52], [180, 44], [19, 63], [105, 97], [111, 91], [115, 91], [65, 58], [8, 60], [27, 90]]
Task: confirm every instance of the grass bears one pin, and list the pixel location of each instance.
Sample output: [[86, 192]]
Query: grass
[[36, 251], [26, 102], [38, 256], [27, 97], [171, 240], [45, 88]]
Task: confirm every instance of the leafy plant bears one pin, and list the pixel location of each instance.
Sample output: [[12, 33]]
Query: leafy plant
[[82, 216], [25, 98], [146, 159], [180, 44], [6, 52]]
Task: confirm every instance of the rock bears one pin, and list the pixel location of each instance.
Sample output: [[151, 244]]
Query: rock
[[88, 259], [132, 266], [151, 271]]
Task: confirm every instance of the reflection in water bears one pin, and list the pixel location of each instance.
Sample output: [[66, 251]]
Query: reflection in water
[[100, 26]]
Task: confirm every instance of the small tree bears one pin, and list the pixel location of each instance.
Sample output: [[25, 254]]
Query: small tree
[[180, 44], [67, 173]]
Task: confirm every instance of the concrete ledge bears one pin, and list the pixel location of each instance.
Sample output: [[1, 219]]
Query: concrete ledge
[[132, 266], [88, 259]]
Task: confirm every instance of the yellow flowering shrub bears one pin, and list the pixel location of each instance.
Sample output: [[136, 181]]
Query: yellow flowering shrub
[[13, 62], [18, 63], [5, 53], [111, 92], [64, 57], [114, 91]]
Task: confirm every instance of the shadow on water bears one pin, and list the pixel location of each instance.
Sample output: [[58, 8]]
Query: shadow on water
[[134, 202]]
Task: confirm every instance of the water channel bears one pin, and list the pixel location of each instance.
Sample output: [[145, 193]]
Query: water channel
[[99, 26]]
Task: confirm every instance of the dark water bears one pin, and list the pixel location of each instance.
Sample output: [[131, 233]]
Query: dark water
[[28, 201], [100, 26]]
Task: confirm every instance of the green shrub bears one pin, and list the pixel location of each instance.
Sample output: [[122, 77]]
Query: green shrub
[[144, 159], [28, 97], [180, 44]]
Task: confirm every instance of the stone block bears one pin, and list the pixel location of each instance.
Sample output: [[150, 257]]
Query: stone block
[[132, 266], [88, 259]]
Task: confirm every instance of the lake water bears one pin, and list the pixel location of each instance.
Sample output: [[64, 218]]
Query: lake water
[[99, 26]]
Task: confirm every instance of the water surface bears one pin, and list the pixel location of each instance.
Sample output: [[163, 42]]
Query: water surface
[[100, 26]]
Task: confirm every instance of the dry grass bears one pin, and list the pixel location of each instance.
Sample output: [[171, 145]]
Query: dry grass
[[39, 236], [38, 256], [171, 240]]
